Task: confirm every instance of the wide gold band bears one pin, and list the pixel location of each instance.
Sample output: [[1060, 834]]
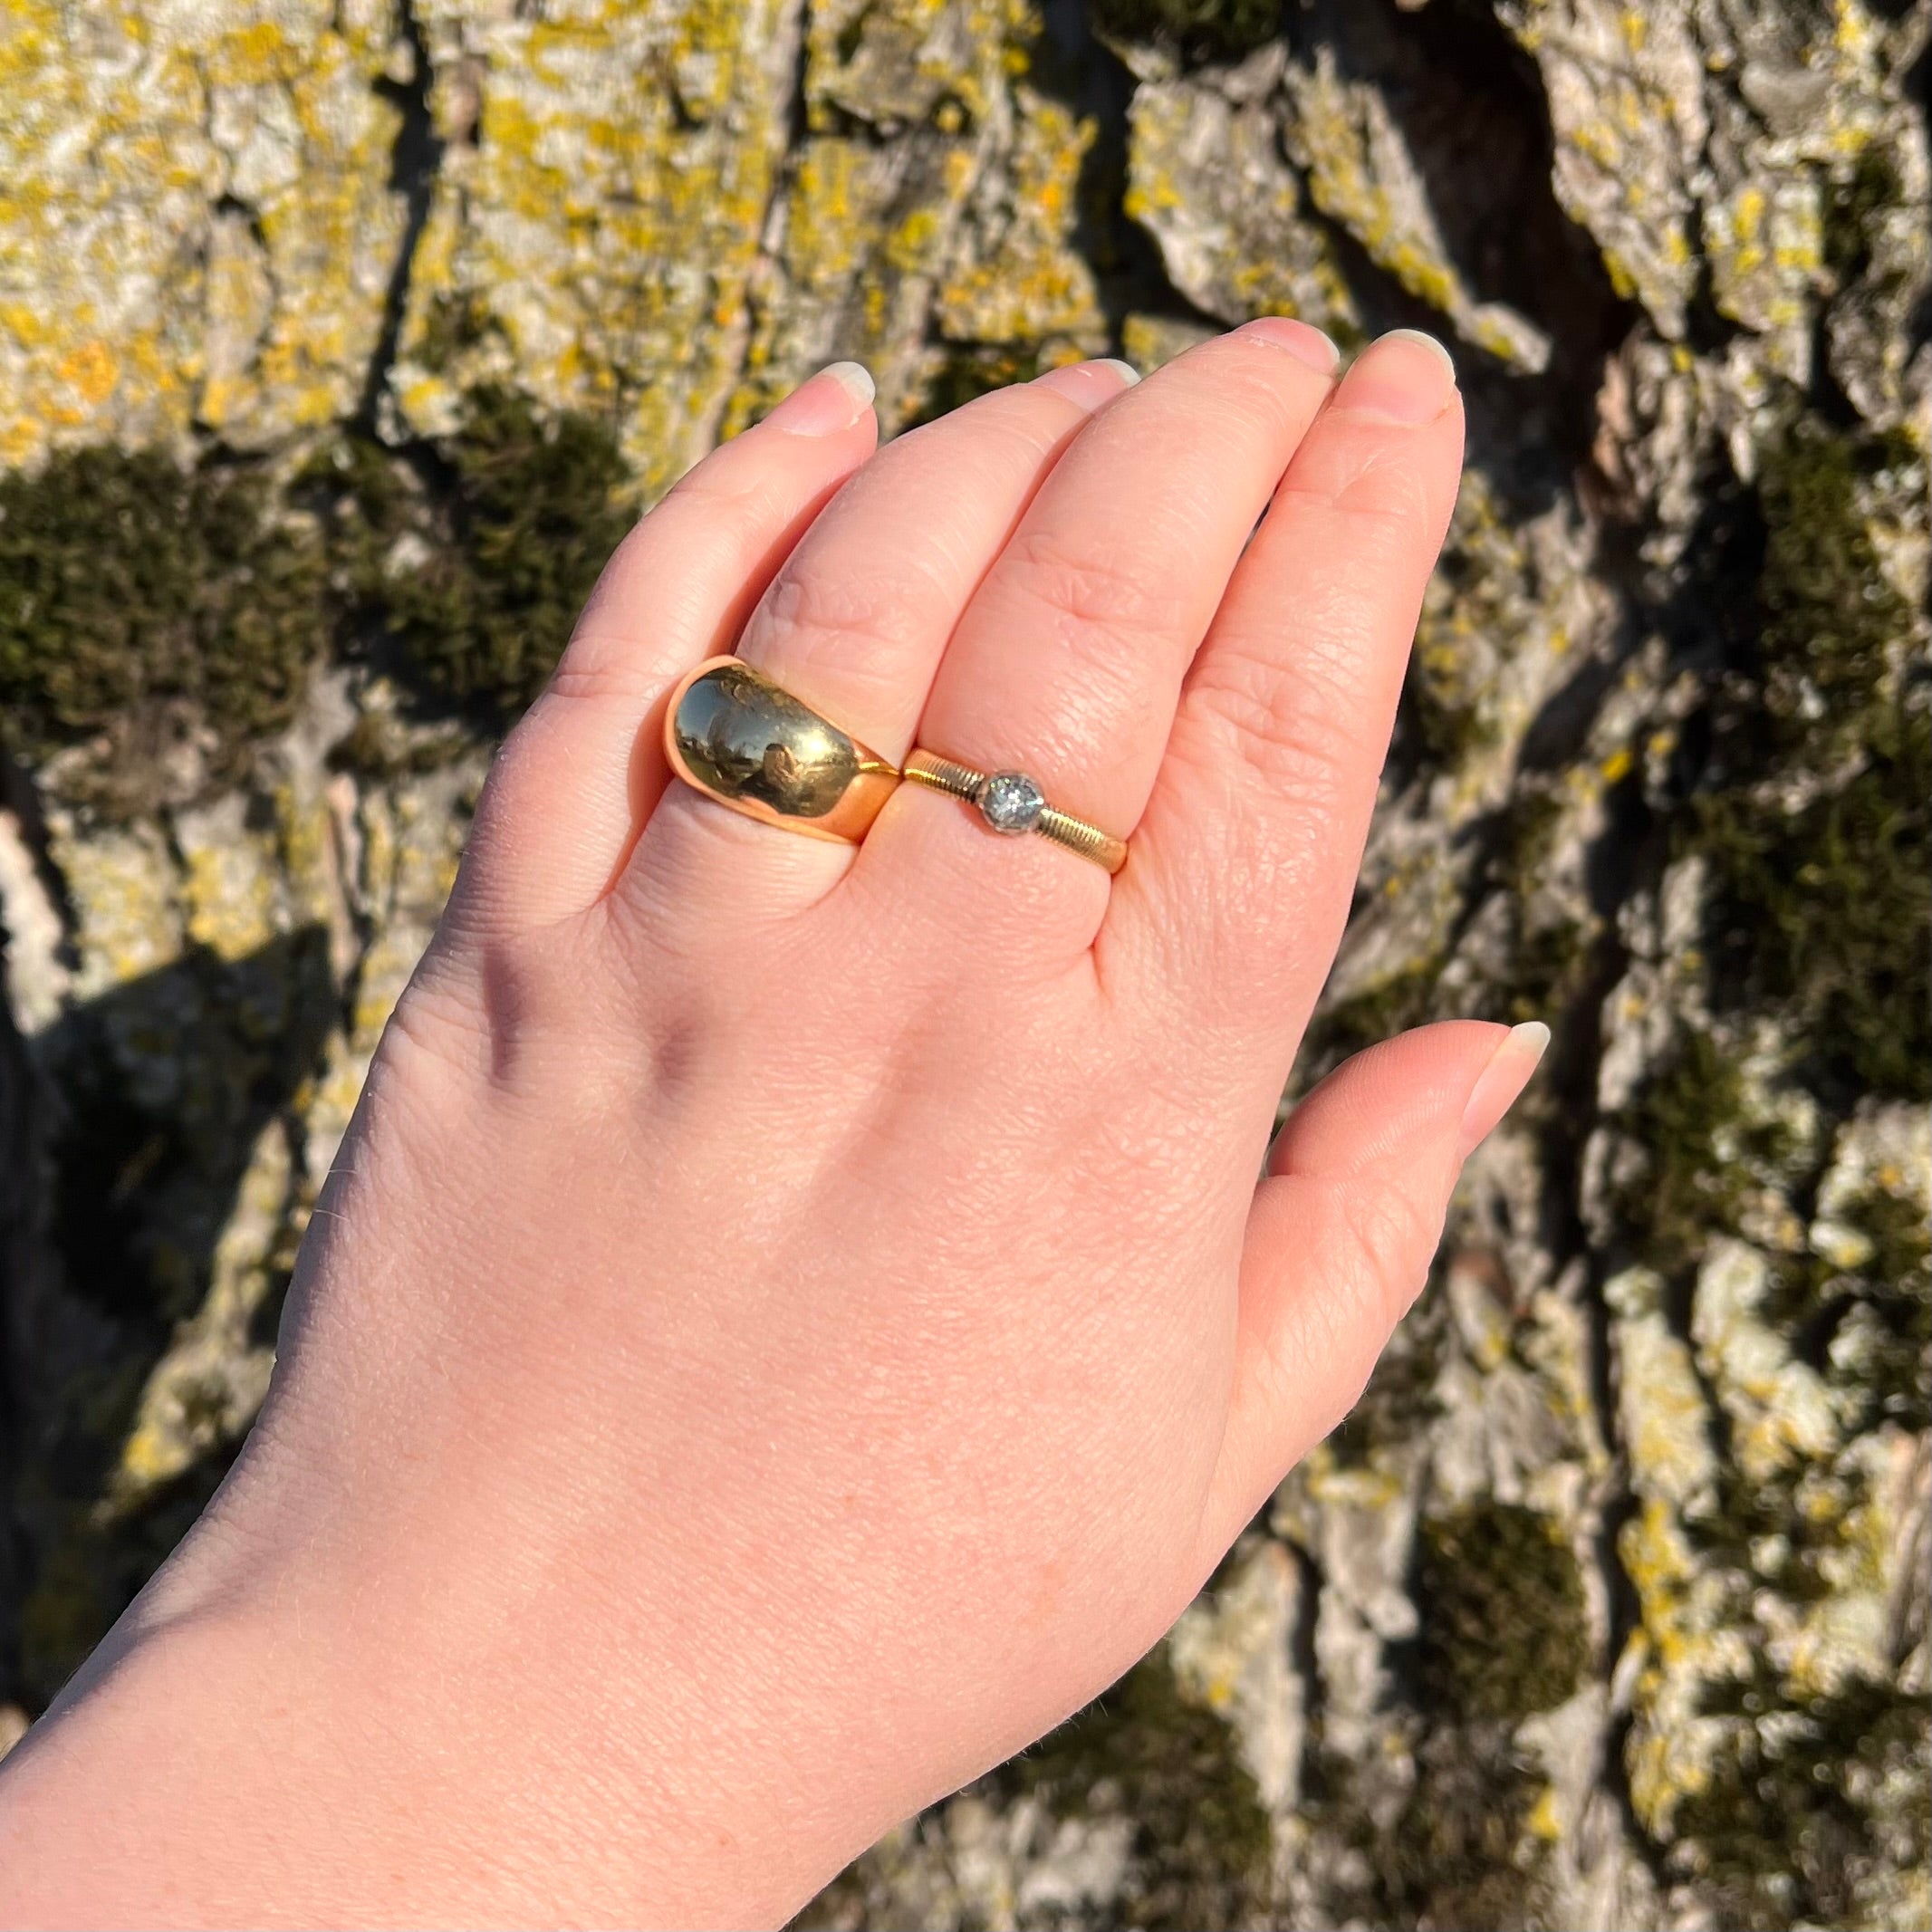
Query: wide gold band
[[1011, 803], [747, 742]]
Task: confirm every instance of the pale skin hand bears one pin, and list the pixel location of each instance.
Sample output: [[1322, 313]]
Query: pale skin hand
[[790, 1324]]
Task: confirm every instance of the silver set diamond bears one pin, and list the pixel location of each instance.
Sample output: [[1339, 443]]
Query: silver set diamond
[[1010, 801], [1011, 804]]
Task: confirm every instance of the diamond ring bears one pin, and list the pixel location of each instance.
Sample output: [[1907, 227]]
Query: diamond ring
[[1012, 803]]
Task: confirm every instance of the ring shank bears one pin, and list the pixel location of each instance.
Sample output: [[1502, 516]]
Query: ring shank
[[1089, 842], [964, 782], [943, 774]]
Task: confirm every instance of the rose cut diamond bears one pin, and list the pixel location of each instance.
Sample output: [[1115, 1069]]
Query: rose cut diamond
[[1010, 802]]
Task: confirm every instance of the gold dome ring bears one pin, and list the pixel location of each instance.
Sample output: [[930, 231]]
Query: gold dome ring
[[737, 738]]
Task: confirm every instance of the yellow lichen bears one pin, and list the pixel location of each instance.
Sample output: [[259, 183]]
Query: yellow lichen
[[1024, 281], [159, 114]]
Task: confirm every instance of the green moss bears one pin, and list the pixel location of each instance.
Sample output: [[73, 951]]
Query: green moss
[[1443, 720], [1708, 1150], [1831, 622], [1827, 910], [455, 324], [1887, 1376], [1503, 1621], [1202, 29], [1820, 836], [1201, 1844], [1759, 1529], [1895, 1288], [1547, 969], [1503, 1634], [156, 610], [171, 615], [1836, 1784], [1549, 962], [1458, 1853], [379, 747], [1449, 728], [474, 569], [1528, 835]]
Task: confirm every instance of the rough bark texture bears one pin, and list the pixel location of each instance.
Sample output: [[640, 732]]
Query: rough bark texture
[[339, 337]]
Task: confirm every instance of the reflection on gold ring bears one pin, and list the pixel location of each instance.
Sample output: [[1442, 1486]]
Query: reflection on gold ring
[[737, 738]]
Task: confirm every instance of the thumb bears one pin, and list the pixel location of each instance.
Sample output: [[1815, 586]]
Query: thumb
[[1342, 1233]]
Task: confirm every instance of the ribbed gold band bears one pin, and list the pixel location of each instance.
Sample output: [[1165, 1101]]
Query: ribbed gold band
[[962, 781]]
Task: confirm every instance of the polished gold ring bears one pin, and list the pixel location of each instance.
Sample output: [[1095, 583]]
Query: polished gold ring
[[737, 738], [1011, 803]]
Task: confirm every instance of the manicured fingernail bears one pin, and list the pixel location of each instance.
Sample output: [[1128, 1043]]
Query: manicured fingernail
[[1501, 1081], [1403, 377], [1303, 341], [1090, 384], [832, 401]]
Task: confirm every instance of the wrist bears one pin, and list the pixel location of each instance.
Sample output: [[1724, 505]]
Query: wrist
[[305, 1758]]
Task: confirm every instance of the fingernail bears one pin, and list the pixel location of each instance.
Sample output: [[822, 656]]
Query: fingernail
[[1403, 377], [1303, 341], [832, 401], [1501, 1081], [1090, 384]]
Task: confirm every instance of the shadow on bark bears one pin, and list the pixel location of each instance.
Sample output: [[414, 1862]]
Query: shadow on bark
[[146, 1236]]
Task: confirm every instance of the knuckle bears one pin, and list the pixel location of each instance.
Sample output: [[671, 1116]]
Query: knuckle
[[861, 622], [516, 775], [1385, 1236], [1115, 589], [1371, 485], [712, 486], [600, 671], [440, 1026], [808, 611], [1298, 730], [484, 1011]]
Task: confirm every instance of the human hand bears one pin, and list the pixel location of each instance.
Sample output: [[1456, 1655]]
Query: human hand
[[791, 1322]]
